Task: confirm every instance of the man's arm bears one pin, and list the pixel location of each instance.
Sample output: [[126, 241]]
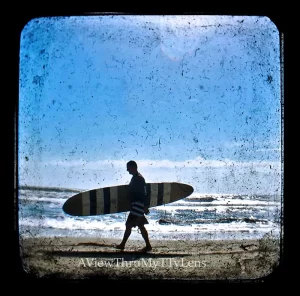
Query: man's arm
[[147, 201]]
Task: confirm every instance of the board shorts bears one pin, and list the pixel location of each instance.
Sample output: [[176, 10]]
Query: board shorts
[[133, 220]]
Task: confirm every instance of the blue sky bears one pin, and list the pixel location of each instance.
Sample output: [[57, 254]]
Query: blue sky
[[194, 99]]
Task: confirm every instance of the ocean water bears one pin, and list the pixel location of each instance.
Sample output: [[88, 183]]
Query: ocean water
[[199, 216]]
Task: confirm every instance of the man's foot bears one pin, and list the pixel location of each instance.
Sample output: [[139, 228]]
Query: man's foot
[[147, 249], [120, 247]]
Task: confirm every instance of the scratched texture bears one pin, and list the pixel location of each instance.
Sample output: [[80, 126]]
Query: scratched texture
[[194, 99]]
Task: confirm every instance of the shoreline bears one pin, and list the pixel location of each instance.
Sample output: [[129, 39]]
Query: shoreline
[[68, 258]]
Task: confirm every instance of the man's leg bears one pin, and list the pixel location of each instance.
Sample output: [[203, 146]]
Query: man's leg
[[145, 237], [125, 237]]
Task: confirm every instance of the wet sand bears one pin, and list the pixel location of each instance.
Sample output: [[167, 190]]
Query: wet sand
[[88, 258]]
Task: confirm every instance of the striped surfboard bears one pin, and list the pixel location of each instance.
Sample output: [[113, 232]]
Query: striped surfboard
[[115, 199]]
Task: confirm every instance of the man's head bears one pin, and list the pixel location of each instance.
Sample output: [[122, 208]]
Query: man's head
[[131, 167]]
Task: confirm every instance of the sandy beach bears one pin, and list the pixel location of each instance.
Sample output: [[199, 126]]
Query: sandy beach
[[86, 258]]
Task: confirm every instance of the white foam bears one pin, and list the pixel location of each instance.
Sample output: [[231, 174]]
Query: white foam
[[218, 208], [45, 199], [153, 226], [113, 225]]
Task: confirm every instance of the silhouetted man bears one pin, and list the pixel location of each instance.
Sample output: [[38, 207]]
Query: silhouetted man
[[139, 206]]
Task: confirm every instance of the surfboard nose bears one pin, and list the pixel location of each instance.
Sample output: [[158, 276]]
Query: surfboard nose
[[180, 190], [186, 189]]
